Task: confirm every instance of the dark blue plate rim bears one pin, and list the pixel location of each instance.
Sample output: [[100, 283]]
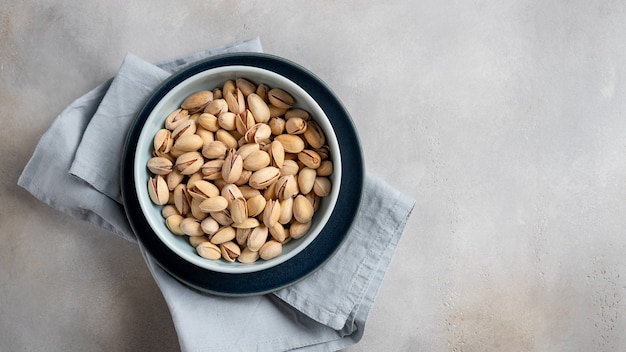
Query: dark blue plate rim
[[317, 252]]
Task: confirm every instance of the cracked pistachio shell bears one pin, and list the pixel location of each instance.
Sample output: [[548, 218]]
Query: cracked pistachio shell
[[306, 179], [186, 128], [209, 251], [257, 237], [235, 100], [230, 251], [202, 189], [212, 169], [270, 192], [222, 217], [302, 209], [248, 256], [231, 192], [232, 167], [213, 204], [298, 229], [259, 132], [325, 169], [291, 143], [195, 241], [271, 249], [310, 158], [174, 119], [208, 121], [189, 163], [322, 186], [296, 125], [259, 108], [197, 101], [163, 141], [314, 135], [245, 86], [280, 98], [256, 160], [215, 150], [271, 213], [286, 187], [225, 234], [216, 107], [244, 121], [173, 224], [189, 143], [159, 165], [191, 227], [286, 211], [238, 210], [181, 199], [241, 235], [261, 90], [209, 226], [256, 204], [265, 177], [314, 199], [157, 190]]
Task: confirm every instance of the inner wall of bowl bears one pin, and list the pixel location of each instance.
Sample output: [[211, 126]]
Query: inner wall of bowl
[[211, 79]]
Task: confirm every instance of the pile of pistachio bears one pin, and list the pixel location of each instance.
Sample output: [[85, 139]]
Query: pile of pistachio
[[239, 170]]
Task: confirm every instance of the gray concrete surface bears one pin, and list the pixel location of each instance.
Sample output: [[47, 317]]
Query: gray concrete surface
[[505, 120]]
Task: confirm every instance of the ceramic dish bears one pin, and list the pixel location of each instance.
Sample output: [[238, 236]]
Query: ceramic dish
[[300, 257]]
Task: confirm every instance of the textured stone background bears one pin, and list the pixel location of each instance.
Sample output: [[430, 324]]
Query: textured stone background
[[505, 121]]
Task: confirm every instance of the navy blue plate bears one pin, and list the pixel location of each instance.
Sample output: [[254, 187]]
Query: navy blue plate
[[310, 258]]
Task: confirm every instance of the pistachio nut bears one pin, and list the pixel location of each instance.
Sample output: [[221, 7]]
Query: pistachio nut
[[314, 135], [222, 217], [176, 118], [163, 141], [258, 133], [249, 192], [216, 107], [270, 192], [322, 186], [208, 121], [189, 143], [280, 98], [169, 210], [173, 179], [286, 187], [193, 178], [230, 251], [259, 108], [235, 100], [159, 165], [256, 160], [206, 135], [302, 209], [173, 224], [310, 158], [286, 211], [194, 209], [291, 143], [263, 178], [226, 120], [277, 125], [325, 169], [271, 213], [209, 226], [213, 204], [224, 234], [290, 167], [278, 232], [277, 154], [189, 163], [197, 101], [248, 223], [299, 113], [217, 93], [271, 249], [191, 227], [241, 235], [245, 86], [296, 125], [158, 191], [257, 237], [212, 169], [256, 204], [244, 121], [298, 229], [215, 150], [248, 256], [247, 149], [306, 179], [208, 250], [314, 199], [232, 167], [186, 128], [181, 199], [227, 138], [238, 210], [276, 111], [202, 189], [262, 90], [195, 241]]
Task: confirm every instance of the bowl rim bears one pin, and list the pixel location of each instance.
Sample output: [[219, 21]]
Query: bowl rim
[[329, 239]]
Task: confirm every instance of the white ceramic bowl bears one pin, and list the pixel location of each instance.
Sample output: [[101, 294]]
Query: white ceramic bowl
[[171, 101]]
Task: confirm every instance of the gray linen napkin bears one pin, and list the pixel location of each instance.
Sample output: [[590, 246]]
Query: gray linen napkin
[[326, 311]]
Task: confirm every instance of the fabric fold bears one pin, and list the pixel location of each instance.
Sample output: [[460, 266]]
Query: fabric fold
[[325, 311]]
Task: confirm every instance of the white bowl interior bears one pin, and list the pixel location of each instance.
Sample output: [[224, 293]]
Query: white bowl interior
[[210, 79]]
